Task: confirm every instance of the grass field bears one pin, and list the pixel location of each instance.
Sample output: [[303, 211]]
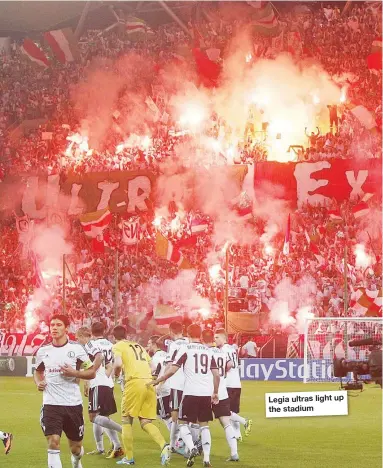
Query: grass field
[[351, 441]]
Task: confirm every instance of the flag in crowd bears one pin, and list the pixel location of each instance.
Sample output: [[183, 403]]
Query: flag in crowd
[[293, 346], [364, 116], [313, 248], [165, 314], [95, 223], [367, 302], [286, 245], [135, 25], [63, 44], [265, 21], [208, 70], [34, 52], [165, 249], [85, 266], [100, 242], [198, 225], [374, 60], [335, 216], [153, 108]]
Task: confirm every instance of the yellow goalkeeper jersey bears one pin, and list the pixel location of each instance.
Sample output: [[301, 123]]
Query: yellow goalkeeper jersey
[[135, 360]]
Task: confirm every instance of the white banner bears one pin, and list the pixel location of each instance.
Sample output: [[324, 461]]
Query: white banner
[[130, 232]]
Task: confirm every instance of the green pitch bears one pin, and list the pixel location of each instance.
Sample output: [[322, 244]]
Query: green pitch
[[351, 441]]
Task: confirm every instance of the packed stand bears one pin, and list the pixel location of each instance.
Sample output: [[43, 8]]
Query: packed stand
[[340, 43]]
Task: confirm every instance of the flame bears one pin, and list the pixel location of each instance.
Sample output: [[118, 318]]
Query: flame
[[120, 148], [248, 58], [146, 142], [205, 313], [157, 221], [175, 224], [260, 97], [269, 250], [280, 126], [193, 115], [362, 259], [214, 271], [343, 95]]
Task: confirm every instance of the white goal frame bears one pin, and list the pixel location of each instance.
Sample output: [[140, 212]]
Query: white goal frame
[[306, 357]]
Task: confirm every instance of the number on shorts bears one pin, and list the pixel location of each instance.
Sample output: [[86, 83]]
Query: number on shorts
[[140, 354], [201, 362], [81, 431]]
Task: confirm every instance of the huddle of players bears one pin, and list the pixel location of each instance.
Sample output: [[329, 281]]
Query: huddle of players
[[198, 380]]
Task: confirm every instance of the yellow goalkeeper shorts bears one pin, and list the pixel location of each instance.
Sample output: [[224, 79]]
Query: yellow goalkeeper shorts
[[138, 400]]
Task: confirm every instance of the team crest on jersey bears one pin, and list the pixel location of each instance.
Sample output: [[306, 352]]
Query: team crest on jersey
[[71, 354]]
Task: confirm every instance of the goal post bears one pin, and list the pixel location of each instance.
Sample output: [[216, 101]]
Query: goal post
[[326, 338]]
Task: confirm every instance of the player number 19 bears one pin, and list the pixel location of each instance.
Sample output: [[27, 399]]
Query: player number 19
[[201, 362]]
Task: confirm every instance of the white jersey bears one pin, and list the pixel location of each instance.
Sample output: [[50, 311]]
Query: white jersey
[[177, 381], [221, 359], [158, 370], [60, 390], [197, 362], [233, 379], [103, 346]]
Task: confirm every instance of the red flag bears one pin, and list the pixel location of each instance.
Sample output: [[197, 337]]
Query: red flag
[[208, 70], [374, 61], [314, 249], [95, 223], [63, 44], [286, 245], [335, 215], [34, 53]]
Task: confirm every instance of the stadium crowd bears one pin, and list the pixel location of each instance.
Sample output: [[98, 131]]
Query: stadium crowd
[[339, 43]]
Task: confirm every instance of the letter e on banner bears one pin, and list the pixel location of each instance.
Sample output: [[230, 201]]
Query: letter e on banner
[[306, 185]]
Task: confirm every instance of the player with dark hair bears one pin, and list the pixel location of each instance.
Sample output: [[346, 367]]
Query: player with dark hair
[[233, 384], [100, 390], [222, 409], [138, 400], [57, 375], [7, 439], [199, 367], [176, 382]]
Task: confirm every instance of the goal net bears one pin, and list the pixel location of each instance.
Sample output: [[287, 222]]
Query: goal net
[[327, 338]]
